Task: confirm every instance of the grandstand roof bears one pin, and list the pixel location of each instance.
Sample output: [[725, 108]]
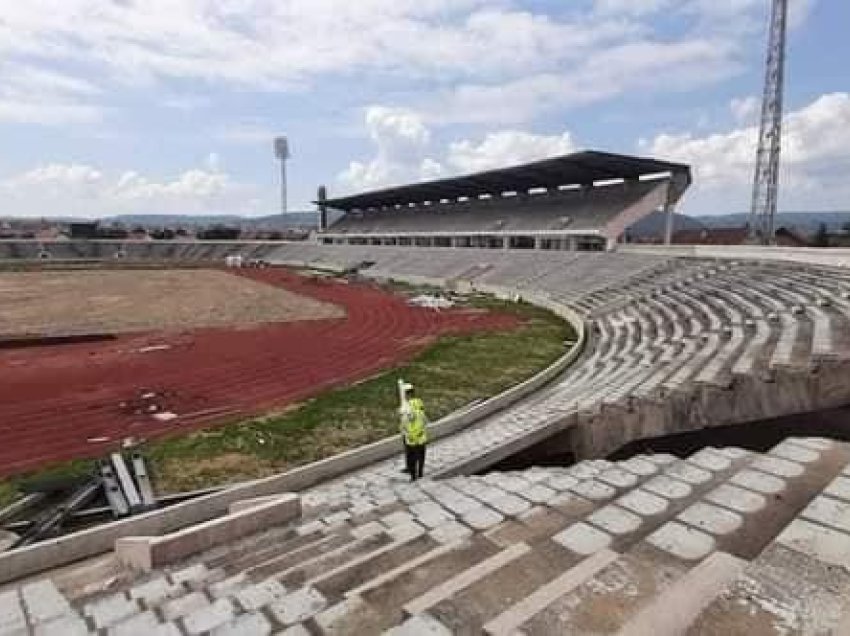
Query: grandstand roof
[[581, 168]]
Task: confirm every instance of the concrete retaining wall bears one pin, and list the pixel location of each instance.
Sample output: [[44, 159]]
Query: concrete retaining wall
[[749, 399]]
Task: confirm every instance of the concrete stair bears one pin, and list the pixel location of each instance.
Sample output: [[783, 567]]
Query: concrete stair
[[723, 542]]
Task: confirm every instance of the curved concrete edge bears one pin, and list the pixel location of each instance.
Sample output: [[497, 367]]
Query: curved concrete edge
[[831, 256], [87, 543]]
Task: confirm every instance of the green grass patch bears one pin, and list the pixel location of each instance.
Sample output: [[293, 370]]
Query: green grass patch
[[450, 374]]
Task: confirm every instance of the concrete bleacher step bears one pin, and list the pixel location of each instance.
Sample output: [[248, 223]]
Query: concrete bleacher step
[[598, 547]]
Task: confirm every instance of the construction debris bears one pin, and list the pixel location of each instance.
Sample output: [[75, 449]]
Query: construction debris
[[123, 481], [427, 301]]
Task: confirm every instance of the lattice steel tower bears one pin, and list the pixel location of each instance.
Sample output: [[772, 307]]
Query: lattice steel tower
[[766, 182]]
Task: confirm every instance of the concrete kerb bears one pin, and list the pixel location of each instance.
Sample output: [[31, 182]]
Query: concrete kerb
[[149, 552], [87, 543]]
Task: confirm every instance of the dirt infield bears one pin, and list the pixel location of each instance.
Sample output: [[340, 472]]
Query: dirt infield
[[51, 303], [81, 400]]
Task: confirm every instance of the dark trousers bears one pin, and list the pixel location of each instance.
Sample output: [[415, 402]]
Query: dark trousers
[[414, 459]]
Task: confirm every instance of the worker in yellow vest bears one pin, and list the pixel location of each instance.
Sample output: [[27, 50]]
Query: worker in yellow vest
[[414, 432]]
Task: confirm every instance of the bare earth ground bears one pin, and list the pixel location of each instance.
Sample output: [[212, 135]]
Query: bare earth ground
[[53, 303]]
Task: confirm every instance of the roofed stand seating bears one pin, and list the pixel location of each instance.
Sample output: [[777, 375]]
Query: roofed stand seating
[[567, 210]]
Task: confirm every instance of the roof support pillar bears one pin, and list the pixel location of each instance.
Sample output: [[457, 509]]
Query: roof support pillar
[[670, 211]]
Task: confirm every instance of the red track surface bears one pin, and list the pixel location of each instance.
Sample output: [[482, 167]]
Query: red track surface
[[54, 401]]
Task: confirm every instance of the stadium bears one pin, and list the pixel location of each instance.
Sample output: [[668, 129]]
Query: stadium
[[682, 448]]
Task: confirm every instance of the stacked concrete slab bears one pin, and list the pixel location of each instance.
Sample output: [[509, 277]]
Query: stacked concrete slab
[[725, 541]]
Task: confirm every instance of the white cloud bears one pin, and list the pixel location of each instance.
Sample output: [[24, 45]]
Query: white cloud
[[403, 151], [506, 148], [31, 95], [745, 109], [58, 189], [401, 140], [816, 160], [507, 63], [272, 43], [606, 74]]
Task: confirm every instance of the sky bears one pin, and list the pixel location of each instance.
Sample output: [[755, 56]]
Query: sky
[[170, 106]]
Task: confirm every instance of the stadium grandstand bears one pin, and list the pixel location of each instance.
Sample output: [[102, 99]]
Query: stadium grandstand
[[579, 202], [689, 449]]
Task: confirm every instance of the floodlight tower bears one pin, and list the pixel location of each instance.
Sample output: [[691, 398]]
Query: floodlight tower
[[766, 180], [281, 151]]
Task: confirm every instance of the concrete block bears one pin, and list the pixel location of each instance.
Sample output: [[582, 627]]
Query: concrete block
[[311, 528], [397, 519], [668, 487], [829, 512], [617, 478], [482, 518], [643, 503], [253, 502], [138, 625], [367, 530], [709, 459], [295, 630], [424, 625], [147, 553], [43, 601], [228, 586], [245, 625], [174, 609], [777, 466], [758, 482], [450, 532], [737, 499], [298, 606], [12, 618], [583, 539], [615, 520], [253, 597], [538, 494], [839, 488], [688, 473], [818, 542], [155, 591], [67, 625], [208, 618], [193, 576], [682, 542], [796, 453], [406, 531], [594, 490], [510, 505], [109, 610], [713, 519]]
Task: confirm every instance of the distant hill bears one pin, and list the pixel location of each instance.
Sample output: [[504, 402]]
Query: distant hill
[[275, 221], [805, 221], [655, 224]]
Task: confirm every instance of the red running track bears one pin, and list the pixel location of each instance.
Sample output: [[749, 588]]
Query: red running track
[[64, 402]]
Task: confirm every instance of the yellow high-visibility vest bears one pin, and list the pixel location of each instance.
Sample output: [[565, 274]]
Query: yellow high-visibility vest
[[414, 425]]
